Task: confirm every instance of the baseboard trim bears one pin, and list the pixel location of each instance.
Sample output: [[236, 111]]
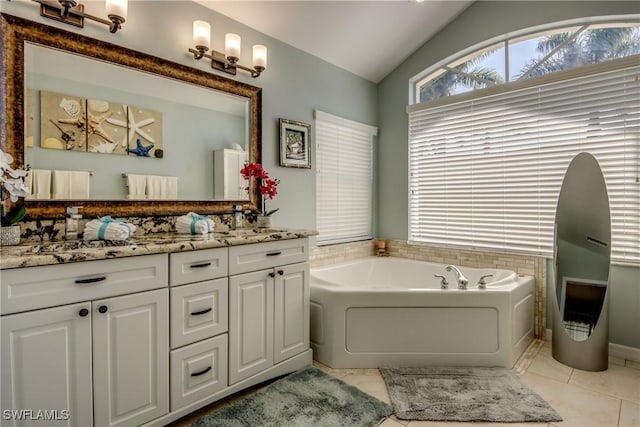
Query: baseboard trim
[[615, 350]]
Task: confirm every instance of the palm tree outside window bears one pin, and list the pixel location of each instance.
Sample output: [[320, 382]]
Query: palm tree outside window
[[529, 56]]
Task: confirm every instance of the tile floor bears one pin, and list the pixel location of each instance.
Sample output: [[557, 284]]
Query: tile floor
[[583, 399]]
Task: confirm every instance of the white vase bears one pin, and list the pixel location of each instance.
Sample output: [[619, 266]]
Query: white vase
[[10, 235], [264, 221]]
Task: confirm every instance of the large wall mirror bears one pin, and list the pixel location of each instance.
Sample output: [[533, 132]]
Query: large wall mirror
[[581, 267], [142, 116]]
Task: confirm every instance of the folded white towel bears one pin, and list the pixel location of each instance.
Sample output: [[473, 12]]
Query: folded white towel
[[70, 184], [162, 187], [137, 185], [38, 181], [193, 223], [171, 187], [154, 187], [106, 228]]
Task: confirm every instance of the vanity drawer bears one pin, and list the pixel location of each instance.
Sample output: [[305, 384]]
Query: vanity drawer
[[31, 288], [246, 258], [198, 311], [196, 266], [198, 371]]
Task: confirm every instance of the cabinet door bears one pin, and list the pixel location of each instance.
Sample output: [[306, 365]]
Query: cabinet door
[[46, 365], [131, 358], [250, 324], [291, 329]]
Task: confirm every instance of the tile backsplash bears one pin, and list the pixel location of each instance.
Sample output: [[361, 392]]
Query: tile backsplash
[[51, 230]]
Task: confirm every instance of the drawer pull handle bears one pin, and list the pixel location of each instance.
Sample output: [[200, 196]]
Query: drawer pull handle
[[91, 280], [204, 371], [202, 265], [197, 313], [103, 309], [84, 312], [274, 253], [272, 274], [281, 272]]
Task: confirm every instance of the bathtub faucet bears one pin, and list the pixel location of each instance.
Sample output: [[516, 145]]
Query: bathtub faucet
[[462, 281]]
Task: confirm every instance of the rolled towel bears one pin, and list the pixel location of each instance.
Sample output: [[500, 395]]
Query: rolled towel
[[193, 223], [107, 228]]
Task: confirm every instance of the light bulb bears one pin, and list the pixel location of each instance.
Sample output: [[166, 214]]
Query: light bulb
[[259, 56], [232, 46], [117, 8], [202, 34]]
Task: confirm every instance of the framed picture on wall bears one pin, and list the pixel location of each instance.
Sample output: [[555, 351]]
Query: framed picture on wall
[[295, 144]]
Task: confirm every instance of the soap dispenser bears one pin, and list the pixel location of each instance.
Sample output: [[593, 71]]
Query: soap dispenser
[[238, 217], [72, 221]]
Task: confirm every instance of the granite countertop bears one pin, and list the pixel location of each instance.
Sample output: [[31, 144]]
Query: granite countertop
[[62, 252]]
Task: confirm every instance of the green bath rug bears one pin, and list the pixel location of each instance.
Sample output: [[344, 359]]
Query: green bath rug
[[305, 398]]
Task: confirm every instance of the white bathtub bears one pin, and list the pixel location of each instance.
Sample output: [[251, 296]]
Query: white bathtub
[[391, 311]]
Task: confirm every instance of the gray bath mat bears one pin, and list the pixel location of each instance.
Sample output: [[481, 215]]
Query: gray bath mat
[[305, 398], [464, 394]]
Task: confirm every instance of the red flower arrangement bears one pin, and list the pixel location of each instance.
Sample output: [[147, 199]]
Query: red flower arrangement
[[268, 187]]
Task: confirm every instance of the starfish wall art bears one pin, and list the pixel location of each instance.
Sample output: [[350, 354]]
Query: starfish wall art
[[98, 126]]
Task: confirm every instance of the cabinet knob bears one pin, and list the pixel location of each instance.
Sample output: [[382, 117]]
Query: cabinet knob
[[103, 309], [281, 272], [84, 312], [272, 274]]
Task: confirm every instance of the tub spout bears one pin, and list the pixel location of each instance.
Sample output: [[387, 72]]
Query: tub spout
[[462, 281]]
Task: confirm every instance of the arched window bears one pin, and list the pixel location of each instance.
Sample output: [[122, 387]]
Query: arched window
[[529, 55], [486, 166]]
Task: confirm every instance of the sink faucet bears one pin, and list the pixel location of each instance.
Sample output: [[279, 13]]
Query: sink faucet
[[72, 221], [462, 281], [238, 218]]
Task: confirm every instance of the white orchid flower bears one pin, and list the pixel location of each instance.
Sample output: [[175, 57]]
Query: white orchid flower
[[5, 160], [17, 173], [12, 179], [16, 188]]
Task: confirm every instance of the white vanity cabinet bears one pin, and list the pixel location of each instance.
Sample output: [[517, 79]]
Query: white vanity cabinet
[[199, 305], [145, 340], [102, 361], [269, 308]]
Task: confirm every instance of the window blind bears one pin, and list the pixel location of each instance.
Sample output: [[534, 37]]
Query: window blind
[[344, 160], [486, 172]]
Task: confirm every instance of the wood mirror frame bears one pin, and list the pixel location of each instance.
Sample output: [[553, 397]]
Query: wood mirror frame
[[15, 32]]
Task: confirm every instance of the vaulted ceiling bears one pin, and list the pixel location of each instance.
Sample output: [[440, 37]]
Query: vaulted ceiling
[[367, 38]]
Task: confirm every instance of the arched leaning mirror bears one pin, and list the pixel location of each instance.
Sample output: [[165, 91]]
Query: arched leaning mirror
[[581, 267]]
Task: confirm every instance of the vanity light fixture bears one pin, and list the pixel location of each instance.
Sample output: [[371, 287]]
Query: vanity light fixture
[[227, 61], [72, 12]]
